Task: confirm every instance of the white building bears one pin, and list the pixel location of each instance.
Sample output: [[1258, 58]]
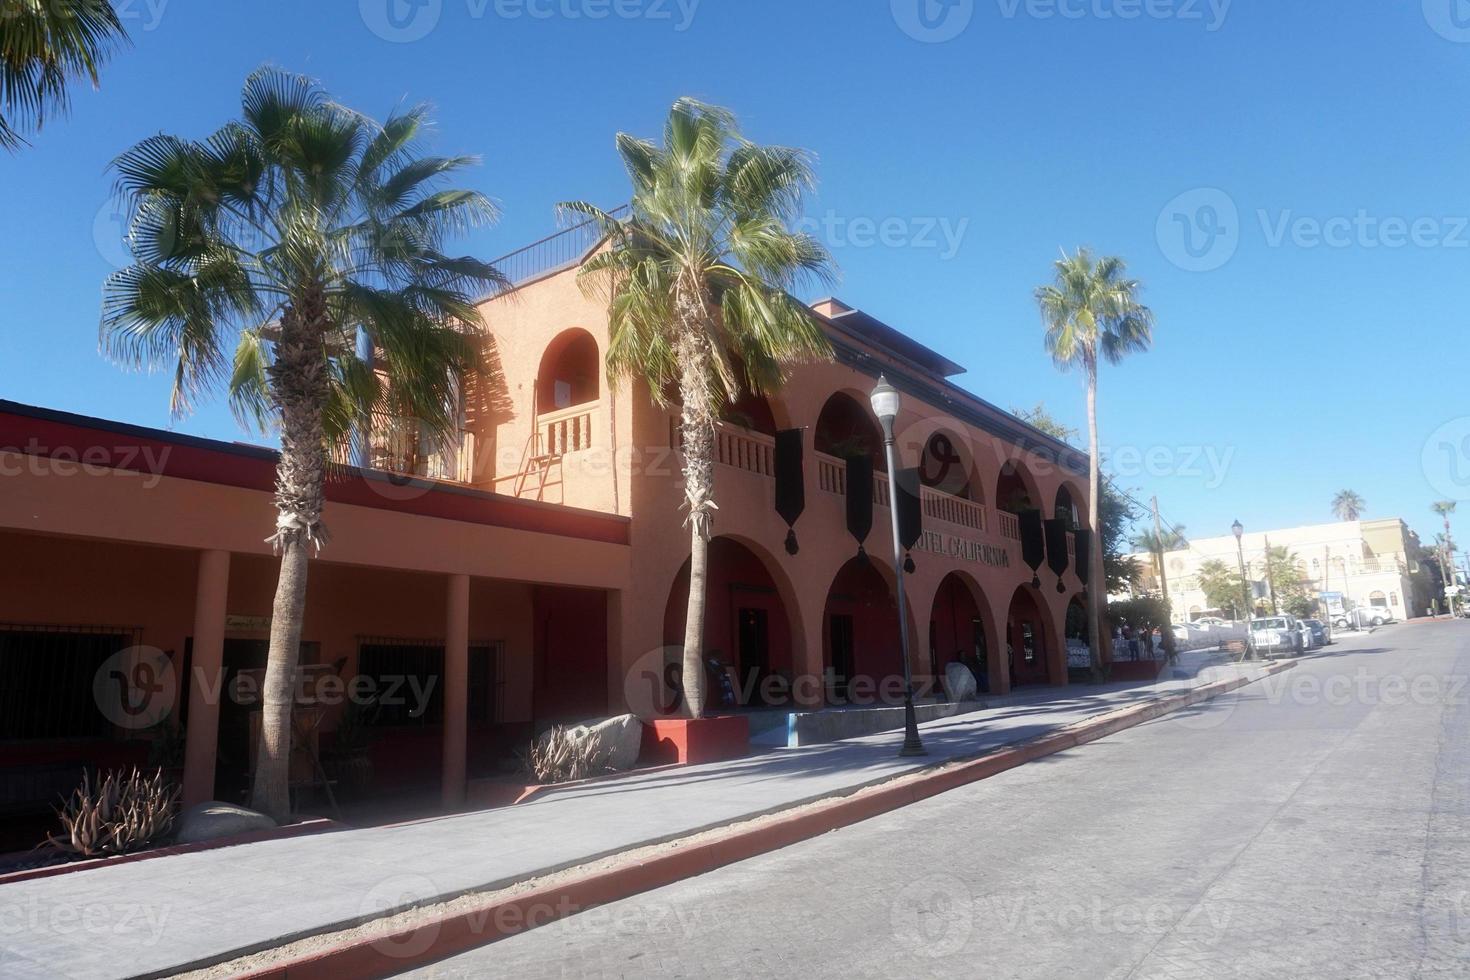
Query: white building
[[1367, 563]]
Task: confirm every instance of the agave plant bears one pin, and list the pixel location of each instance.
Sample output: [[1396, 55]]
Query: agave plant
[[126, 812], [559, 756]]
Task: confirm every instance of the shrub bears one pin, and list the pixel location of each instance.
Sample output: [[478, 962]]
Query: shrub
[[558, 756], [126, 812]]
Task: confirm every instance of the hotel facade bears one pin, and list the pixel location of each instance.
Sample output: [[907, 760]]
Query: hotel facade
[[533, 572]]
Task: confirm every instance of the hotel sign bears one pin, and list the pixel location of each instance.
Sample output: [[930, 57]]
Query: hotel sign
[[954, 546]]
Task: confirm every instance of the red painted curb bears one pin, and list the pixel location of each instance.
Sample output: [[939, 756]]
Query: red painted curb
[[498, 919]]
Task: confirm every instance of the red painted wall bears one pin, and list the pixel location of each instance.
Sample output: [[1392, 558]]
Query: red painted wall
[[570, 643]]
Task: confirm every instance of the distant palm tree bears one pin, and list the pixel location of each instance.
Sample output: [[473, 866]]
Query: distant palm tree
[[1091, 313], [283, 235], [1444, 508], [1348, 505], [697, 279], [44, 44], [1172, 539]]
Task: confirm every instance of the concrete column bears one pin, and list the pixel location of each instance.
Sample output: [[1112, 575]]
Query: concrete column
[[203, 686], [456, 689]]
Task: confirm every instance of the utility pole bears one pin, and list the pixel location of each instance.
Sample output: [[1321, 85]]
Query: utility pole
[[1159, 546], [1271, 578]]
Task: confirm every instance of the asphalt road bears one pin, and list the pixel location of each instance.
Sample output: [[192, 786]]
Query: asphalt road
[[1316, 824]]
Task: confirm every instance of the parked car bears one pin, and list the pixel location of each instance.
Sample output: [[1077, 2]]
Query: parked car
[[1208, 621], [1276, 634], [1321, 632], [1363, 617]]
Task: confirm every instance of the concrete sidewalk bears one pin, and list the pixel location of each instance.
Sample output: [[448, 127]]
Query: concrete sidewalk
[[187, 911]]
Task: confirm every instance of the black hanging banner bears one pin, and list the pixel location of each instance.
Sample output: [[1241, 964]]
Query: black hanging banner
[[910, 512], [1033, 543], [1083, 561], [1056, 548], [859, 498], [790, 483]]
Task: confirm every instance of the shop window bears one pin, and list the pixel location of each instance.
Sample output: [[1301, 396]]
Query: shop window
[[47, 675]]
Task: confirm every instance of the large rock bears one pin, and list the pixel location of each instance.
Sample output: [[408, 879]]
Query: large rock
[[213, 820], [959, 682], [615, 742]]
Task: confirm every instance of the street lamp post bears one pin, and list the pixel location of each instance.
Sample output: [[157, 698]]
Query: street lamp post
[[1245, 594], [885, 401]]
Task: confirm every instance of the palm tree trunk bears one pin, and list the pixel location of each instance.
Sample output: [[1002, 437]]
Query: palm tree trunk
[[299, 387], [698, 446], [1095, 596]]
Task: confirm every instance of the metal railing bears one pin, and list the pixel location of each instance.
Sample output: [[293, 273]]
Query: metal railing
[[553, 251], [402, 445]]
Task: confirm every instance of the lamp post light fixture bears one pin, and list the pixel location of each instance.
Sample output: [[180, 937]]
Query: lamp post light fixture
[[1245, 595], [885, 401]]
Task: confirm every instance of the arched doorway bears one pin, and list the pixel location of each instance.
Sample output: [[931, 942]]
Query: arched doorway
[[846, 428], [1065, 508], [1075, 635], [570, 373], [752, 412], [1027, 640], [1015, 490], [747, 631], [860, 642], [957, 632]]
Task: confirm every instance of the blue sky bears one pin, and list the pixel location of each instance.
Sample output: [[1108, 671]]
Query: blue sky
[[1288, 180]]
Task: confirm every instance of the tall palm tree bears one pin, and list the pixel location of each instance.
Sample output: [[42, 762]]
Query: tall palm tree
[[1444, 508], [698, 279], [1348, 505], [1091, 313], [285, 234], [44, 44]]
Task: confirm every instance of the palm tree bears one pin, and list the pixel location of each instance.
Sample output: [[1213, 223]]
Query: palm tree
[[284, 234], [1444, 508], [44, 44], [697, 280], [1348, 505], [1091, 312]]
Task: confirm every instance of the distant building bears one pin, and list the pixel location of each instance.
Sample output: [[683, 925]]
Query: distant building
[[1365, 563]]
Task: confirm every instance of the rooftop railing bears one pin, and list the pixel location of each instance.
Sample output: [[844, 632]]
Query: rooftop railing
[[552, 252]]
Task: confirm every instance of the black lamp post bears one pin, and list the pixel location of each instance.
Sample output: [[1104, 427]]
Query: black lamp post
[[1245, 594], [885, 405]]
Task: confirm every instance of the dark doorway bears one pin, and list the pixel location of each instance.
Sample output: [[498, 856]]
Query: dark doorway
[[841, 641], [236, 708], [755, 651]]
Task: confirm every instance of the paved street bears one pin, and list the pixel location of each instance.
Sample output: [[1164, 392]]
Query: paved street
[[1316, 824]]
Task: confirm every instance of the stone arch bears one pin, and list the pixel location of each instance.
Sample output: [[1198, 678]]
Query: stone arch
[[752, 622], [846, 427], [1070, 502], [1033, 646], [570, 372], [962, 628], [1016, 488], [860, 642]]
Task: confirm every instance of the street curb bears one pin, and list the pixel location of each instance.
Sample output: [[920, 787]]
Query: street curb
[[394, 951]]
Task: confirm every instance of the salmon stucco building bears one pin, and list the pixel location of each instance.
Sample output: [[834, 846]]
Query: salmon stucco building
[[533, 572]]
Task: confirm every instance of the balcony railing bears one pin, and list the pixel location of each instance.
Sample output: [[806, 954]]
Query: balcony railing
[[567, 430], [400, 445], [1010, 525], [937, 505], [736, 447]]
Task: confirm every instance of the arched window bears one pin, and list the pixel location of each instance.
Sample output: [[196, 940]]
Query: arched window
[[846, 428], [1377, 599], [569, 374]]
